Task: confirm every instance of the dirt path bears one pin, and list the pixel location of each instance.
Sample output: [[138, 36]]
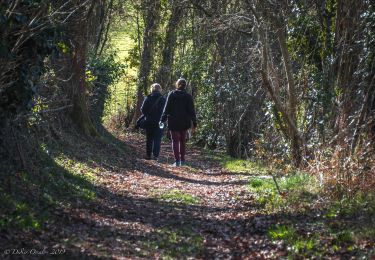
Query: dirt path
[[98, 199], [148, 209], [156, 210]]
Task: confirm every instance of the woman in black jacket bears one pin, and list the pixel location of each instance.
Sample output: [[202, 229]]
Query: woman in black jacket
[[152, 108], [180, 113]]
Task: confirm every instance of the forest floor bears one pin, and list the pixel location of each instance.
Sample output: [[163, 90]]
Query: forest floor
[[119, 206]]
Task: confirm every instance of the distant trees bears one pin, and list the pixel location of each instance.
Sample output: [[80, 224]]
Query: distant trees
[[309, 57]]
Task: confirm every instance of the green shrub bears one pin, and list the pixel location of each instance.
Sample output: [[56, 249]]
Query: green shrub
[[104, 70]]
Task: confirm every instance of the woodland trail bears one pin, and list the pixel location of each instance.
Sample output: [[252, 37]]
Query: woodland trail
[[222, 216], [156, 210], [148, 209]]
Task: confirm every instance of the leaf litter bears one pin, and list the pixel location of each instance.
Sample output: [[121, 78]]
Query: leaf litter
[[127, 219]]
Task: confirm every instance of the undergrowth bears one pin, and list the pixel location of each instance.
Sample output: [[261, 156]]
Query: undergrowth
[[331, 225], [27, 198], [60, 172], [298, 190], [320, 243], [294, 190]]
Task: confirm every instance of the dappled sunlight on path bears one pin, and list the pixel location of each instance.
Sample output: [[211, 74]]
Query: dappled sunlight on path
[[148, 209], [161, 208]]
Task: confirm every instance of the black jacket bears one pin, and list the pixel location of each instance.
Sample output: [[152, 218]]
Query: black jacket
[[153, 113], [179, 110]]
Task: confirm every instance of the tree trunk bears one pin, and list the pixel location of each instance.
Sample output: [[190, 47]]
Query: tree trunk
[[163, 77], [106, 15], [152, 23], [294, 134], [288, 118], [288, 114], [348, 31], [79, 113]]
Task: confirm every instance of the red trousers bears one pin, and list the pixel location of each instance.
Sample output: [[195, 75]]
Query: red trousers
[[179, 144]]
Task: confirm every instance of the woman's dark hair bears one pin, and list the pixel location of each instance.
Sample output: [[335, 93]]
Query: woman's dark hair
[[181, 83]]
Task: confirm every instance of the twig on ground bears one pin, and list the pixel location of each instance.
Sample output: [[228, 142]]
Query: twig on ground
[[277, 185]]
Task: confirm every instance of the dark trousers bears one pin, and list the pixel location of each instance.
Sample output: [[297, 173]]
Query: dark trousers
[[153, 141], [179, 144]]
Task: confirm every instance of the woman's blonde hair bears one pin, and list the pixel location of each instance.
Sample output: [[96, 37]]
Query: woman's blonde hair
[[155, 87]]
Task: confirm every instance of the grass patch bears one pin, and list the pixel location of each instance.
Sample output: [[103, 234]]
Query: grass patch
[[352, 219], [359, 205], [298, 245], [317, 244], [76, 176], [344, 236], [297, 189], [282, 232], [19, 214], [243, 166], [177, 244], [176, 196], [347, 228]]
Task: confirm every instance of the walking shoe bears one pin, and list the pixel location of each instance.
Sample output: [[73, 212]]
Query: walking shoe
[[176, 164], [147, 157], [155, 159], [182, 163]]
